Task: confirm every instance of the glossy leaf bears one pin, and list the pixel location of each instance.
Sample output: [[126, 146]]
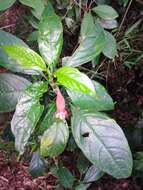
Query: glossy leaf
[[37, 166], [87, 26], [23, 59], [66, 178], [110, 48], [50, 35], [91, 43], [11, 88], [5, 4], [48, 119], [54, 139], [8, 39], [92, 174], [102, 142], [27, 114], [101, 101], [105, 12], [74, 80]]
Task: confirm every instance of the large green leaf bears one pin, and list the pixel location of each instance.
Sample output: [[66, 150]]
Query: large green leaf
[[11, 88], [54, 139], [105, 12], [48, 119], [100, 101], [92, 40], [22, 59], [73, 79], [66, 177], [50, 35], [110, 47], [38, 6], [27, 114], [102, 142], [8, 39], [5, 4], [92, 174]]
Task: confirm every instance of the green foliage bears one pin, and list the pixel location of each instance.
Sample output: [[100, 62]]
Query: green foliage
[[6, 4], [27, 114], [65, 176], [11, 88], [39, 120], [105, 12], [50, 37], [74, 80], [102, 142], [54, 139]]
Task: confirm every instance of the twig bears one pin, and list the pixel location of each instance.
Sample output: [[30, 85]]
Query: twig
[[8, 26], [124, 17]]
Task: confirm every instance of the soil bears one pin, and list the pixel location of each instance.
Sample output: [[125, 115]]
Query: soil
[[124, 85]]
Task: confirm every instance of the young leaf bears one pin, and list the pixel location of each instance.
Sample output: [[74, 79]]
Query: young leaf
[[92, 174], [23, 59], [91, 43], [110, 47], [11, 88], [101, 101], [27, 114], [54, 139], [5, 4], [102, 142], [66, 178], [37, 166], [74, 80], [105, 12], [50, 35]]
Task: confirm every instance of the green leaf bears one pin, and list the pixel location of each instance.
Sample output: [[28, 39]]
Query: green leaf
[[82, 186], [91, 43], [82, 163], [101, 101], [11, 88], [92, 174], [23, 59], [8, 39], [105, 12], [54, 139], [50, 35], [37, 166], [110, 47], [27, 114], [5, 4], [102, 142], [87, 26], [48, 119], [108, 24], [38, 7], [74, 80], [65, 176]]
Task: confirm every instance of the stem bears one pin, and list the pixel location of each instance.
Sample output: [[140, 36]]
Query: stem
[[124, 17]]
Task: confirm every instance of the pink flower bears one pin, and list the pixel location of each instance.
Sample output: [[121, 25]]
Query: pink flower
[[61, 112]]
